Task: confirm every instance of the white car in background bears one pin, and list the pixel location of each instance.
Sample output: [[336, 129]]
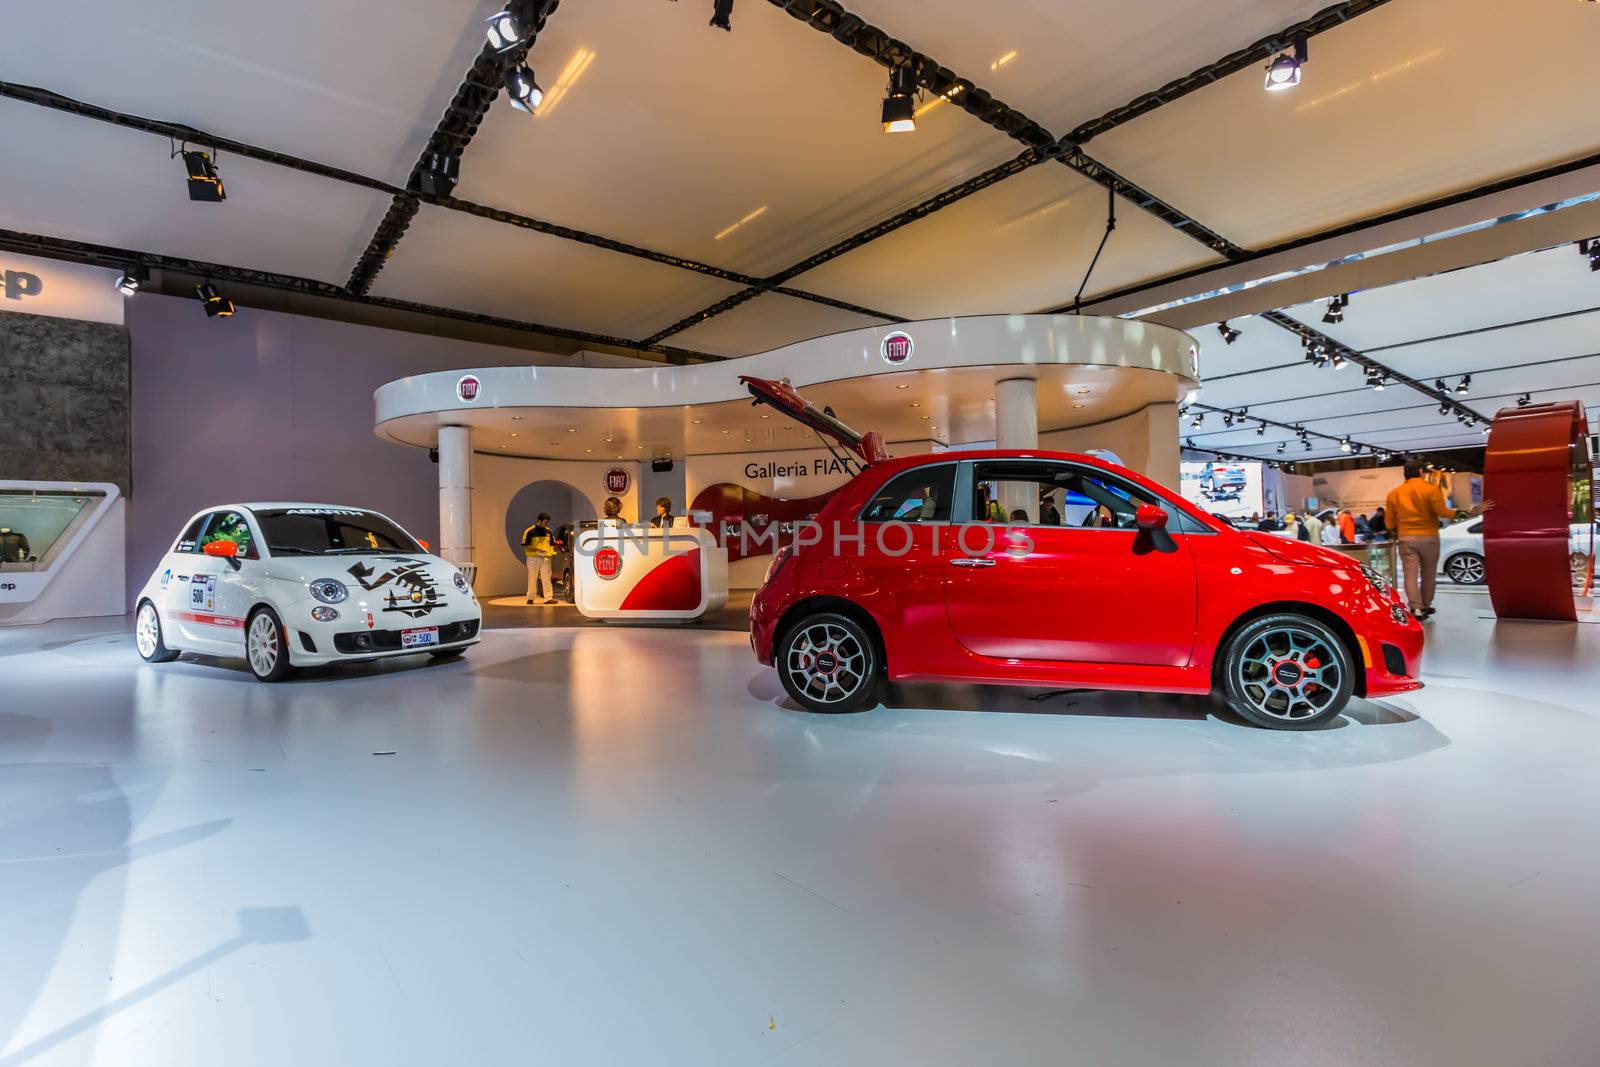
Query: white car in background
[[299, 585], [1461, 550]]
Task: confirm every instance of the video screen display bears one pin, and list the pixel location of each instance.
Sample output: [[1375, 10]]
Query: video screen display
[[1228, 488]]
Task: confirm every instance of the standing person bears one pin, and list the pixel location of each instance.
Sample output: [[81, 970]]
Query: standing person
[[1416, 507], [1330, 528], [538, 545], [1347, 528], [663, 518], [1380, 528], [1313, 527]]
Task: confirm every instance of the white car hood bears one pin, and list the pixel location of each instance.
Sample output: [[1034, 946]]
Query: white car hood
[[403, 585]]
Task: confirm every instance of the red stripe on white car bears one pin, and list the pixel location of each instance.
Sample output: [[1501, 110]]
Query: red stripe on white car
[[214, 620]]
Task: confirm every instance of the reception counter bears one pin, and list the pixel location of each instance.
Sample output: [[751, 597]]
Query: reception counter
[[637, 573]]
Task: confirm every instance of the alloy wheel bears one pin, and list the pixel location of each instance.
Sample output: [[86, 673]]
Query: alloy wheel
[[1465, 569], [262, 646], [827, 662], [147, 631], [1288, 674]]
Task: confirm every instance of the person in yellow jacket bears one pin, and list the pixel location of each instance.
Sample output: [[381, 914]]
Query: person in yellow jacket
[[538, 546]]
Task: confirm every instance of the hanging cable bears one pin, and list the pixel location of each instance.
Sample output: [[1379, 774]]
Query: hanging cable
[[1111, 224]]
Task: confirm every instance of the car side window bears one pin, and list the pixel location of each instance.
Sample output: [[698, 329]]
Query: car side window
[[1476, 527], [230, 526], [190, 541], [923, 494], [1035, 493]]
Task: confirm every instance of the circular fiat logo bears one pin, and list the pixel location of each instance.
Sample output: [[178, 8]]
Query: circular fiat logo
[[608, 563], [467, 388], [1287, 673], [896, 348], [617, 480]]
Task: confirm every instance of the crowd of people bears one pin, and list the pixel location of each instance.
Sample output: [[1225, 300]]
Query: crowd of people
[[1330, 526]]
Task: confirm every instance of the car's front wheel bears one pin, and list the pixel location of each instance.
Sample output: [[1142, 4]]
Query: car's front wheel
[[147, 636], [1287, 672], [266, 646], [1464, 568], [829, 663]]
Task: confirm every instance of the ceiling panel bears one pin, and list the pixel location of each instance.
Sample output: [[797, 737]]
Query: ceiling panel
[[1063, 64], [769, 321], [1408, 102], [463, 261], [662, 131], [1018, 246], [90, 181], [357, 84]]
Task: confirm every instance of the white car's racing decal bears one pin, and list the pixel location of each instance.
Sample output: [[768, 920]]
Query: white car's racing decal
[[414, 593]]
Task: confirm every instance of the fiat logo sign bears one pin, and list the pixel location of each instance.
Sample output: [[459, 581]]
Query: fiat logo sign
[[467, 388], [608, 563], [617, 480], [896, 348]]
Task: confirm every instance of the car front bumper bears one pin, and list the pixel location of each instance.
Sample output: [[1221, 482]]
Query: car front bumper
[[356, 636]]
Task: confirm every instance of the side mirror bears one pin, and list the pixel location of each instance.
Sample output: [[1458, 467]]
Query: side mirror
[[226, 549], [1150, 517]]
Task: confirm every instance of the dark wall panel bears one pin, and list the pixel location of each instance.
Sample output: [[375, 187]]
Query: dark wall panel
[[64, 400]]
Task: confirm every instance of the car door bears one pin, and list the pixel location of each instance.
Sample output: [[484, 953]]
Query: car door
[[897, 566], [208, 602], [1095, 589]]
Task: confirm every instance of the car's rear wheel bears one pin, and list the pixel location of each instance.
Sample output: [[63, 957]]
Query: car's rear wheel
[[147, 636], [829, 663], [1287, 672], [266, 646], [1464, 568]]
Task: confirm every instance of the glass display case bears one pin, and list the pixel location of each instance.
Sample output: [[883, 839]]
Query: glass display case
[[37, 524]]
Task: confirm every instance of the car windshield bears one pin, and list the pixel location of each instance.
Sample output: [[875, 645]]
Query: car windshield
[[331, 532]]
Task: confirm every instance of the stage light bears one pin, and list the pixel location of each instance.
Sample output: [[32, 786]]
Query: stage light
[[721, 12], [1344, 444], [1227, 418], [524, 92], [1439, 386], [1229, 334], [204, 183], [217, 306], [1338, 360], [899, 105], [1281, 446], [1336, 306], [1261, 429], [1591, 248], [1524, 400], [506, 31], [132, 279], [1444, 407], [1284, 70], [1303, 441], [1464, 385], [440, 174], [1199, 417]]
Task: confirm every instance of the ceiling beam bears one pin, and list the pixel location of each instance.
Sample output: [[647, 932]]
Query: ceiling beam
[[1242, 414], [123, 258]]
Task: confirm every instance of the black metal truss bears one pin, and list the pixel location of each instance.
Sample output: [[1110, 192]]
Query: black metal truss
[[774, 282], [1361, 359], [461, 119], [1259, 52], [1243, 415], [123, 258], [1103, 176], [1380, 453]]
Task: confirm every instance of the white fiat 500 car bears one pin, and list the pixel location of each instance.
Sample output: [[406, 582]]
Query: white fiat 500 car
[[298, 585], [1461, 551]]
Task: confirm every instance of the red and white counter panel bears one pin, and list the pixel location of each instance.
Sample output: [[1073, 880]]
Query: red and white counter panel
[[633, 572]]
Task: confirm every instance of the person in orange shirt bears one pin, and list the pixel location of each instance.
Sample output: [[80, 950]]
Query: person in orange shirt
[[1347, 528], [1413, 511]]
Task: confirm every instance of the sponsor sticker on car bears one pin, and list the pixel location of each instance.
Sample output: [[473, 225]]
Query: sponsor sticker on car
[[425, 635]]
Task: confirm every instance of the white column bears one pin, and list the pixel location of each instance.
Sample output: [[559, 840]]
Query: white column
[[455, 494], [1016, 425]]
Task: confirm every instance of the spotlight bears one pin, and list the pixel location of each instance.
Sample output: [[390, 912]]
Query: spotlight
[[1336, 306], [132, 279], [1444, 407], [1261, 429], [524, 91], [1591, 248], [1227, 418], [1439, 386], [1229, 334], [899, 105], [1338, 360], [1524, 400], [1284, 71], [721, 11], [439, 176], [1281, 446], [506, 31], [216, 305], [204, 183], [1344, 444], [1303, 441], [1199, 417], [1464, 385]]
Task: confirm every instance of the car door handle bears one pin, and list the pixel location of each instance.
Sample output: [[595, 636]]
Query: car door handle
[[972, 561]]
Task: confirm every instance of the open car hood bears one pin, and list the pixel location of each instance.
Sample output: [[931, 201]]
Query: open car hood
[[781, 396], [1300, 552]]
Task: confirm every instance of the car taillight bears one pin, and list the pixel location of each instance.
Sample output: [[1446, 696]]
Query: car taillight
[[777, 563]]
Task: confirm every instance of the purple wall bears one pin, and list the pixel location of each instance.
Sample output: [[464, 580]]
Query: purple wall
[[272, 406]]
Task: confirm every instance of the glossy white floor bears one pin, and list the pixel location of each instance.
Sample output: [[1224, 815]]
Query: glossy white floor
[[620, 846]]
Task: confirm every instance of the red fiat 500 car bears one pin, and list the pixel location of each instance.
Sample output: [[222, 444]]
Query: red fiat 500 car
[[1055, 569]]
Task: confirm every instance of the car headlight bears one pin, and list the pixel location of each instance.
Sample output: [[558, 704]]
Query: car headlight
[[329, 590], [1379, 582], [461, 583]]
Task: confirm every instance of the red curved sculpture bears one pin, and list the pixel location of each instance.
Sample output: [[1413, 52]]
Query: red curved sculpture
[[1527, 472]]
